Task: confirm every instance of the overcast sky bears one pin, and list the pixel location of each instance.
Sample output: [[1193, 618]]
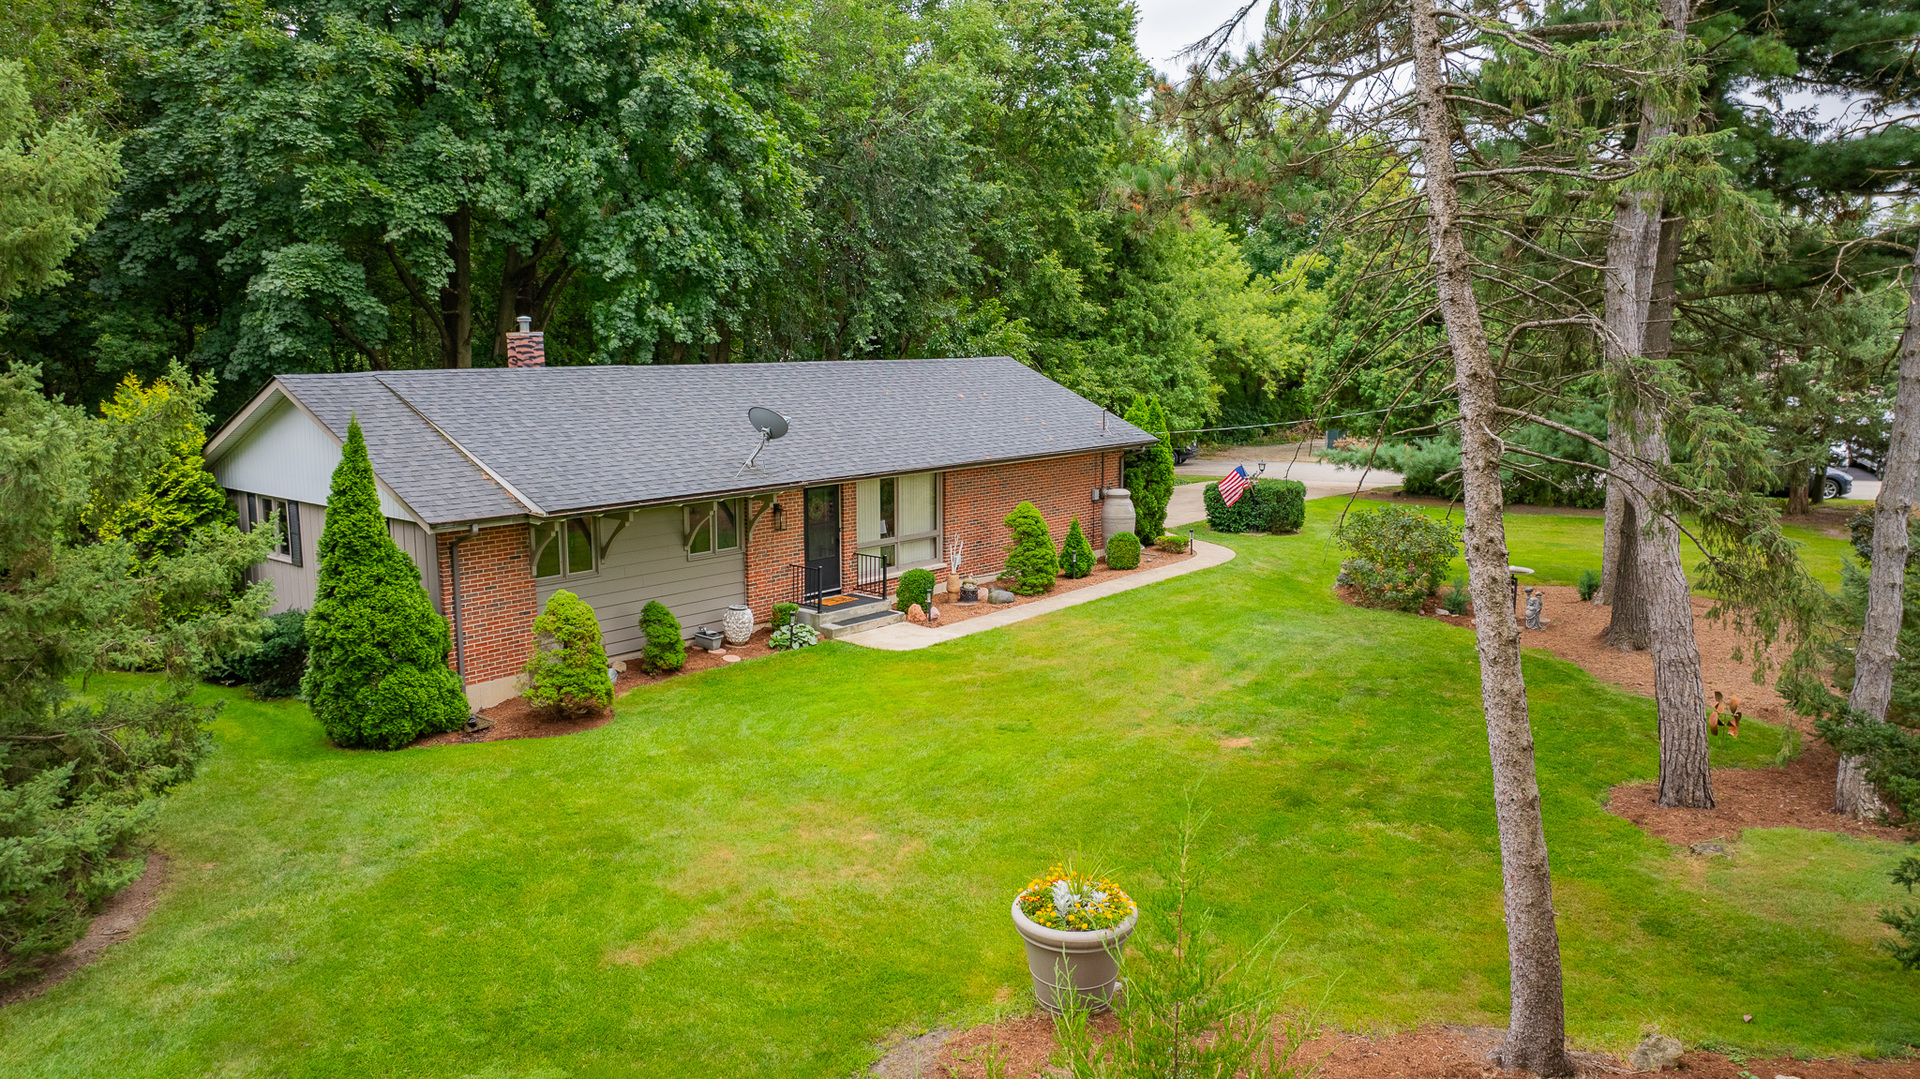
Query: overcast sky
[[1167, 26]]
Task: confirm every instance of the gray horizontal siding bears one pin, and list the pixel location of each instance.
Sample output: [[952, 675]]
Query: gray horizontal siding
[[647, 562], [295, 586]]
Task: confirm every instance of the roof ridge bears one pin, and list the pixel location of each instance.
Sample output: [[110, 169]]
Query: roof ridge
[[512, 491]]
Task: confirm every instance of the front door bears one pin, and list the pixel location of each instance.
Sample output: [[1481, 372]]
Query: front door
[[823, 539]]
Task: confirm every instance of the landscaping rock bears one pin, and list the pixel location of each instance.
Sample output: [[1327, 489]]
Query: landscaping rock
[[477, 723], [916, 615], [1656, 1051], [1001, 595], [1710, 849]]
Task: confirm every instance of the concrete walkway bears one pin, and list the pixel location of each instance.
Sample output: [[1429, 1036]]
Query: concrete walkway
[[906, 637]]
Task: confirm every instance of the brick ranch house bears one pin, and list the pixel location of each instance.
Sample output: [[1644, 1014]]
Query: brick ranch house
[[630, 484]]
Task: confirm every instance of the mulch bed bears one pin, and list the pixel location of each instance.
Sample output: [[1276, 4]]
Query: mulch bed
[[952, 611], [1799, 795], [515, 718], [119, 918], [1442, 1052]]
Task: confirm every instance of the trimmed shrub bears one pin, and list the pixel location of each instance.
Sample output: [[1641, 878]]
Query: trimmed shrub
[[1151, 480], [1076, 554], [1289, 512], [1400, 555], [665, 650], [1031, 564], [1123, 551], [274, 665], [916, 585], [1172, 542], [1589, 585], [377, 673], [782, 615], [567, 671]]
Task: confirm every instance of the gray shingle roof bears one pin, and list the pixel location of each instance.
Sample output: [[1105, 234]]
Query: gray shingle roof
[[572, 439]]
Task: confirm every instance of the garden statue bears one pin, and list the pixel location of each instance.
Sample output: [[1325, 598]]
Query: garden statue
[[969, 592], [1534, 603]]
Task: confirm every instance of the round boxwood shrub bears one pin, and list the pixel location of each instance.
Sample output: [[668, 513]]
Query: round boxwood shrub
[[567, 671], [1076, 554], [1031, 563], [377, 673], [916, 586], [1123, 551], [782, 615], [665, 649]]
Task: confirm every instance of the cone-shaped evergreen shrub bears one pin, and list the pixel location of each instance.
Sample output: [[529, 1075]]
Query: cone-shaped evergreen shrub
[[1076, 554], [1151, 479], [1030, 559], [1123, 551], [665, 650], [377, 673], [567, 672]]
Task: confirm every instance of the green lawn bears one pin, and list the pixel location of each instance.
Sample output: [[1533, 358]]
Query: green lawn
[[767, 869]]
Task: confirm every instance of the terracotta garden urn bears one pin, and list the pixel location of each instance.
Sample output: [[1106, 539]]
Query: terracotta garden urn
[[738, 624], [1061, 962]]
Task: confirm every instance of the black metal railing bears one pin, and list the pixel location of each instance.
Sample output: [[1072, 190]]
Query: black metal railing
[[870, 575], [806, 585]]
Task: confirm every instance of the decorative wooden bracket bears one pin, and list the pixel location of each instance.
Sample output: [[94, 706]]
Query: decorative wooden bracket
[[622, 527], [764, 502]]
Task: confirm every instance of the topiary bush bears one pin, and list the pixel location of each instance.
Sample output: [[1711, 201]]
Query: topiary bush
[[377, 673], [275, 664], [782, 615], [916, 587], [1123, 551], [1400, 555], [1289, 505], [1076, 554], [1031, 564], [567, 670], [665, 650]]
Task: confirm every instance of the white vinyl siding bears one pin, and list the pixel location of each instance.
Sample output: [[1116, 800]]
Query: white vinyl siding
[[646, 561], [288, 455]]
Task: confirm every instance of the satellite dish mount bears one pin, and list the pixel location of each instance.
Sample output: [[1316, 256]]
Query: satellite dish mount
[[770, 424]]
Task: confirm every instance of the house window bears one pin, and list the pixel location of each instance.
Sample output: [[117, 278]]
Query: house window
[[286, 540], [565, 548], [899, 517], [711, 527]]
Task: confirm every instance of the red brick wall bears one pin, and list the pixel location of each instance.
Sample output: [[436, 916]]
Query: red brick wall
[[769, 553], [497, 603], [979, 499]]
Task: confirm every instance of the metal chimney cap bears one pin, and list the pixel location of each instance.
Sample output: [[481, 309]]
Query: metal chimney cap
[[526, 324]]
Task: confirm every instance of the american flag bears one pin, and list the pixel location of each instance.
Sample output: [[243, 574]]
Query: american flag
[[1234, 484]]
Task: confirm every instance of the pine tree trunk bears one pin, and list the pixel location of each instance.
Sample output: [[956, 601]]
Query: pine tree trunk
[[1628, 627], [1612, 536], [1536, 1031], [1874, 656]]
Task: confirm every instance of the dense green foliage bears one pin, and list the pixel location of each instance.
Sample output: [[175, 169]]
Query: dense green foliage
[[1267, 506], [1031, 562], [377, 674], [791, 636], [665, 650], [782, 615], [1151, 478], [81, 776], [1400, 555], [1588, 584], [180, 497], [55, 182], [1076, 553], [915, 588], [567, 671], [1123, 551], [274, 665], [1906, 920], [1289, 507]]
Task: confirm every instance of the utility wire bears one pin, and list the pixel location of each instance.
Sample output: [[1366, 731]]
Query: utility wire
[[1289, 423]]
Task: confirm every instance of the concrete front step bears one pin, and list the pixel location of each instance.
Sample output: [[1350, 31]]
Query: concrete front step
[[845, 625]]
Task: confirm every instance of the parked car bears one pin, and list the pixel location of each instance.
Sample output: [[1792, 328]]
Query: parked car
[[1833, 484], [1183, 454]]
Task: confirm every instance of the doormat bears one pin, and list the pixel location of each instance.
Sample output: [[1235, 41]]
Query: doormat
[[835, 601]]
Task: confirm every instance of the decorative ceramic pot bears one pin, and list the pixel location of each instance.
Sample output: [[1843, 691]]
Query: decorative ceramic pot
[[1085, 964], [969, 592], [1116, 513], [709, 639], [739, 623]]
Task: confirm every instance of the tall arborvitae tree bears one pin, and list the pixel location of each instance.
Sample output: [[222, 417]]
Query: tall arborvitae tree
[[1152, 476], [377, 673]]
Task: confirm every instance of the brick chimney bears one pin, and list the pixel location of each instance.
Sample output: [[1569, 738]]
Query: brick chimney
[[526, 348]]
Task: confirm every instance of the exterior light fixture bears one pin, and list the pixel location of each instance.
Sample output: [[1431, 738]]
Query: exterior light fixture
[[779, 518]]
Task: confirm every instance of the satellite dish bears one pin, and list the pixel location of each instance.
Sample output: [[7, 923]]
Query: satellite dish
[[769, 423]]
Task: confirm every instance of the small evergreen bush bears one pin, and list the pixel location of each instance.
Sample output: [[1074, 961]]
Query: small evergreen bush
[[1589, 585], [1176, 544], [1289, 507], [1076, 554], [1400, 555], [1454, 602], [1906, 920], [377, 673], [1123, 551], [916, 587], [1031, 563], [274, 665], [567, 671], [782, 615], [665, 650]]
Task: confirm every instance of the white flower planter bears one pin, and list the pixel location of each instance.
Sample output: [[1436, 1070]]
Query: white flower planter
[[738, 624], [1086, 964]]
